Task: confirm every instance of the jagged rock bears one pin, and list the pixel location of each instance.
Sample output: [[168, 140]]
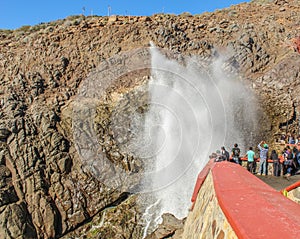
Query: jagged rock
[[7, 191], [171, 227], [120, 220], [15, 223], [4, 133], [113, 18]]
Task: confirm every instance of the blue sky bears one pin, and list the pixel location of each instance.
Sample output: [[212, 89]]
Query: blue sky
[[17, 13]]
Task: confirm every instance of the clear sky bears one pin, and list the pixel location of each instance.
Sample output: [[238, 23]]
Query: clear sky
[[17, 13]]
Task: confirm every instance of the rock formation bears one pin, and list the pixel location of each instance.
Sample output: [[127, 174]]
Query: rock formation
[[46, 190]]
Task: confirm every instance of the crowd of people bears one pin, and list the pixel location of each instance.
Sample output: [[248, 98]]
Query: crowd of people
[[288, 138], [286, 162]]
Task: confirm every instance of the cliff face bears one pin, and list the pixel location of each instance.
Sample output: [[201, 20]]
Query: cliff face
[[46, 190]]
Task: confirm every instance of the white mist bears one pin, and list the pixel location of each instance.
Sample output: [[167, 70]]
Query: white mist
[[194, 110]]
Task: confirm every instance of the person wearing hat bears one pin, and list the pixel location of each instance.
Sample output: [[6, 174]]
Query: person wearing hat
[[263, 154]]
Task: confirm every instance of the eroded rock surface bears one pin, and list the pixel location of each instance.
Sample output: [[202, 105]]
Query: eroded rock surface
[[171, 227]]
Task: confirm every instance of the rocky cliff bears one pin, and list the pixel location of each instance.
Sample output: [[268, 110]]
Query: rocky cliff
[[46, 189]]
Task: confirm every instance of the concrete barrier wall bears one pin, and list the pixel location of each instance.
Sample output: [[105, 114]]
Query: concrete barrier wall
[[292, 192], [294, 195], [207, 220], [230, 202], [269, 167]]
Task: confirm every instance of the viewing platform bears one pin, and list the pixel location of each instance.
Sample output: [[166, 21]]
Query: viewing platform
[[230, 202]]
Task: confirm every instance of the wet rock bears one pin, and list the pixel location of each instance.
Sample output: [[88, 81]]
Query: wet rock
[[171, 227]]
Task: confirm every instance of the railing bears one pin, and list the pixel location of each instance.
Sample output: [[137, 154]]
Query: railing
[[290, 188], [281, 159], [252, 208]]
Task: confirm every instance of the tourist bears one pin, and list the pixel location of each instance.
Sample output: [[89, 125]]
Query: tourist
[[297, 160], [283, 138], [236, 154], [285, 152], [294, 152], [276, 164], [254, 166], [218, 156], [298, 140], [250, 162], [288, 162], [225, 154], [291, 139], [263, 154]]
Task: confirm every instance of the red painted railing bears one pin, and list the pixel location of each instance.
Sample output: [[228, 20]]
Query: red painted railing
[[281, 159], [253, 208], [290, 188]]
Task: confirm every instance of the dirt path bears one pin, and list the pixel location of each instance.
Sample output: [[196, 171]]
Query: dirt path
[[279, 183]]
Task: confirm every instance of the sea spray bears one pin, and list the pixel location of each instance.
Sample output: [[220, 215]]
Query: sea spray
[[195, 108]]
